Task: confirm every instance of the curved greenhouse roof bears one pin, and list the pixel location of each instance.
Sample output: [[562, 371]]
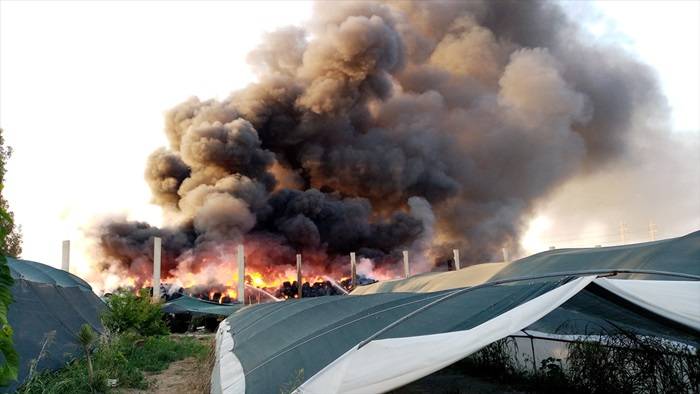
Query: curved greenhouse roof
[[403, 330], [48, 308], [677, 255], [42, 273], [435, 281]]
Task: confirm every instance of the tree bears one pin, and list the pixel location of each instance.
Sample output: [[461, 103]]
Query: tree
[[10, 365], [11, 243]]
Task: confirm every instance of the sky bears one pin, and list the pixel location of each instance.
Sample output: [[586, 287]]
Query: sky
[[84, 85]]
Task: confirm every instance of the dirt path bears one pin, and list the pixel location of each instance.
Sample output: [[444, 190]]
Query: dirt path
[[187, 376], [182, 377]]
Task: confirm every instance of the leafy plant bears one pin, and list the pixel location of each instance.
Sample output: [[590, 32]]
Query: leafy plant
[[86, 337], [128, 312]]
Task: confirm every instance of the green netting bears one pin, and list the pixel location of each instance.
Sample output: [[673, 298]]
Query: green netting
[[41, 273], [197, 307], [596, 311], [471, 309], [45, 312], [49, 307], [274, 342], [677, 255]]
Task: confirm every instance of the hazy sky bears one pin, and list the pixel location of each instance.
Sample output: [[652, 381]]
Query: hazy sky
[[83, 87]]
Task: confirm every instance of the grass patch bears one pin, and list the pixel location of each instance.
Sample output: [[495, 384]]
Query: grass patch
[[123, 357], [154, 354]]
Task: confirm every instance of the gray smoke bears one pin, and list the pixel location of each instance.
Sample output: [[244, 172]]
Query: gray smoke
[[386, 126]]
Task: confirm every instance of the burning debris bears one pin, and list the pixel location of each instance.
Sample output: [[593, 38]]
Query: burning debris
[[377, 128]]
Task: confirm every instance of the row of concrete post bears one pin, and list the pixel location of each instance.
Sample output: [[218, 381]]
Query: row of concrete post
[[240, 260]]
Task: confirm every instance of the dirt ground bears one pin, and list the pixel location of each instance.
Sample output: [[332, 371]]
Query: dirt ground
[[188, 376], [184, 376]]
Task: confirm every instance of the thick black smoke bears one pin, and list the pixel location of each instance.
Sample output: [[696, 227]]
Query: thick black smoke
[[384, 126]]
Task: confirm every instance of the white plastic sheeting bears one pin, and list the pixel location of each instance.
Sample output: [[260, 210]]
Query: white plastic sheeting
[[227, 375], [435, 281], [385, 364], [675, 300]]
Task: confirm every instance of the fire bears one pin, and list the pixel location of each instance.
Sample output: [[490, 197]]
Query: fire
[[270, 272], [257, 280]]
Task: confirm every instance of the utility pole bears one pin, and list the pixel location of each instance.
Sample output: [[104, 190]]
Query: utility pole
[[455, 254], [353, 271], [299, 275], [156, 269], [623, 232], [652, 230], [65, 256], [240, 259]]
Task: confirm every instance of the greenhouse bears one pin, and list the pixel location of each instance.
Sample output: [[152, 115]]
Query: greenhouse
[[388, 335], [49, 307]]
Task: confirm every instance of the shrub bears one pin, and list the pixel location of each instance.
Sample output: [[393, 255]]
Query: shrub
[[627, 363], [619, 363], [128, 312], [494, 360]]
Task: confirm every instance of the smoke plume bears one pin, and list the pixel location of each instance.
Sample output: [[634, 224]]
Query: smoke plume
[[381, 127]]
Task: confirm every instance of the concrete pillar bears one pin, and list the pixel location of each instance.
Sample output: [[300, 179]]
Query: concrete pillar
[[156, 269], [455, 254], [406, 270], [65, 256], [353, 271], [299, 274], [240, 259], [506, 258]]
